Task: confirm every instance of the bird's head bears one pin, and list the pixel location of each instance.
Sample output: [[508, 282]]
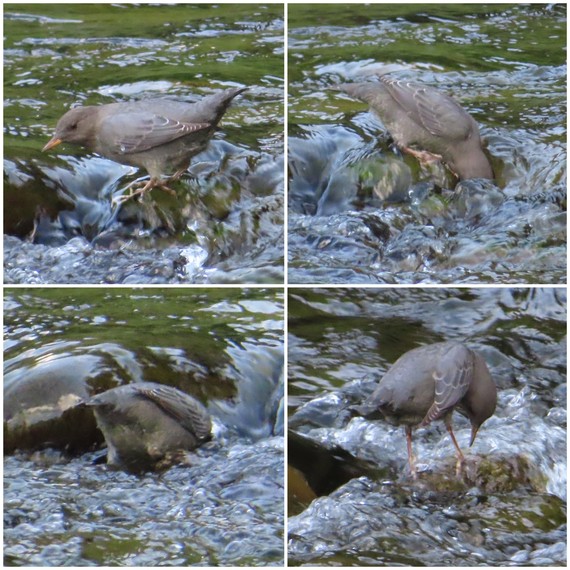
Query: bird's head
[[76, 127]]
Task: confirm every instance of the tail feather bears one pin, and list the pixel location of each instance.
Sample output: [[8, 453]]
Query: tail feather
[[214, 106], [363, 91], [367, 411]]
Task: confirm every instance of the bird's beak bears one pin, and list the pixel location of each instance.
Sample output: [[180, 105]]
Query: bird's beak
[[474, 430], [53, 142]]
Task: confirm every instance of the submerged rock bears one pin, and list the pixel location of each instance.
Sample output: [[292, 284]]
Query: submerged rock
[[41, 404]]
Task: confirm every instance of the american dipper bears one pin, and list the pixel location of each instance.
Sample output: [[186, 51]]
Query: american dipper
[[159, 135], [427, 384], [422, 116], [146, 423]]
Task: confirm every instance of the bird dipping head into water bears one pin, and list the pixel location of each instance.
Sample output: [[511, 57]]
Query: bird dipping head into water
[[145, 423], [426, 123], [427, 384]]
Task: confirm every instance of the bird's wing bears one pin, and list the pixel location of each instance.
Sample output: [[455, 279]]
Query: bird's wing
[[452, 377], [129, 133], [435, 111], [183, 408]]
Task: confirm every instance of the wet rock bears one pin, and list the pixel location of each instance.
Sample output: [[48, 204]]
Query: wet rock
[[385, 178], [299, 492], [319, 470], [41, 405]]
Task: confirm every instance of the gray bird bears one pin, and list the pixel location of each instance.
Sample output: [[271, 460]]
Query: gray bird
[[427, 384], [159, 135], [423, 117], [145, 423]]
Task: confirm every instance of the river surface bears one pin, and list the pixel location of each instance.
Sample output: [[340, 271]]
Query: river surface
[[226, 507], [360, 212], [225, 223], [512, 511]]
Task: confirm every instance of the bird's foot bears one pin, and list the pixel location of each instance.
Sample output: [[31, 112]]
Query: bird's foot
[[459, 466], [414, 471], [178, 174], [458, 452], [422, 155], [143, 188]]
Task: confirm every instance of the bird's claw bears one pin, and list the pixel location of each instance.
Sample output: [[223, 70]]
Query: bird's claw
[[138, 192]]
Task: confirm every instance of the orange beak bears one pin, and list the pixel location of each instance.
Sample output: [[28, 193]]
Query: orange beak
[[53, 142]]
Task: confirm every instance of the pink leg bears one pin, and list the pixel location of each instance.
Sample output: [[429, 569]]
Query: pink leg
[[411, 458], [422, 155], [460, 456], [178, 174], [150, 185]]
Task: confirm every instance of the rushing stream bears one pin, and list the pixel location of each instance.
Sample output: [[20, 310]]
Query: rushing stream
[[225, 223], [63, 508], [360, 212], [509, 508]]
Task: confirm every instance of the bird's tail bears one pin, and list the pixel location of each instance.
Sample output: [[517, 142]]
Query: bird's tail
[[367, 411], [363, 91], [214, 106]]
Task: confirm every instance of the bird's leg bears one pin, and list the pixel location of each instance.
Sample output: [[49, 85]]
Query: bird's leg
[[460, 456], [176, 176], [162, 185], [422, 155], [147, 187], [411, 458], [426, 157]]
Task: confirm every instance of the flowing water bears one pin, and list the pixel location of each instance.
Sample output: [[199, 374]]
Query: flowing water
[[225, 223], [513, 511], [360, 212], [225, 347]]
